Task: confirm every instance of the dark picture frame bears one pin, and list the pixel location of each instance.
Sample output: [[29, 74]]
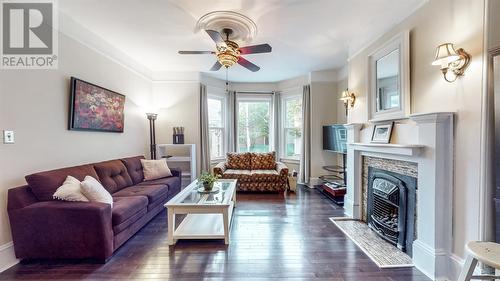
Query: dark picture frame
[[95, 108], [382, 133]]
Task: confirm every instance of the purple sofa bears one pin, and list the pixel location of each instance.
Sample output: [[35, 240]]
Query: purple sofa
[[45, 228]]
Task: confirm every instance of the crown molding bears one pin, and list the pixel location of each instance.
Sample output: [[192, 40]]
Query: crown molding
[[74, 30]]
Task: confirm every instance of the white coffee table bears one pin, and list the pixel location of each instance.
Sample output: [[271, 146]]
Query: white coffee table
[[208, 214]]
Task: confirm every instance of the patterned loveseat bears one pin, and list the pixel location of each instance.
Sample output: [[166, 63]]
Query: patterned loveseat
[[254, 171]]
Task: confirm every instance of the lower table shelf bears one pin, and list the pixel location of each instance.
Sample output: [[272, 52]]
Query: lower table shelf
[[200, 226]]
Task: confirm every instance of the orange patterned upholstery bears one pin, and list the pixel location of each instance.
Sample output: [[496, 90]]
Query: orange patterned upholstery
[[260, 173], [238, 161], [263, 161]]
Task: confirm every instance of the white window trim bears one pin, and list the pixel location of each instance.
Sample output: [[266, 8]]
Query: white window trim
[[283, 157], [257, 97], [225, 137], [290, 161]]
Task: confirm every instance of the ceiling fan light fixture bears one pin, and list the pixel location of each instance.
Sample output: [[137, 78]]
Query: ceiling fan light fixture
[[226, 59], [229, 53], [228, 56]]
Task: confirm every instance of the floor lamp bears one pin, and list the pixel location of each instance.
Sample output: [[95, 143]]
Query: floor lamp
[[152, 133]]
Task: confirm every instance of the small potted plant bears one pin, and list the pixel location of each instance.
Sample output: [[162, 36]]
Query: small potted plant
[[208, 180]]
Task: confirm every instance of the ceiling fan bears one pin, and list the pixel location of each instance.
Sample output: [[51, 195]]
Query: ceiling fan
[[228, 52]]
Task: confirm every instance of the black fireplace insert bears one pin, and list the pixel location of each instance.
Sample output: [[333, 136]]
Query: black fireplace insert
[[390, 212]]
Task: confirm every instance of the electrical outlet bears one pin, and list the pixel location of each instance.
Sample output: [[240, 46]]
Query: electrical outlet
[[8, 137]]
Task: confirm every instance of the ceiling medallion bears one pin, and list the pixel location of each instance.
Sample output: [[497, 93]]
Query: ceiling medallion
[[243, 28]]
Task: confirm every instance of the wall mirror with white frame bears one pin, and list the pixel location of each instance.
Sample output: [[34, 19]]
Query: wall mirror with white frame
[[389, 80]]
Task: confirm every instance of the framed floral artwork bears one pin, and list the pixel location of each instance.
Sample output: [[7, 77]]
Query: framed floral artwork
[[94, 108]]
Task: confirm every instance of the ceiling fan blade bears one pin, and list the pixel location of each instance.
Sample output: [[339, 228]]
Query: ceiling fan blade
[[217, 65], [216, 37], [195, 52], [256, 49], [248, 65]]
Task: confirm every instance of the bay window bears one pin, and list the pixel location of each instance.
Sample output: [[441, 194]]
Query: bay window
[[292, 127], [216, 125], [254, 123]]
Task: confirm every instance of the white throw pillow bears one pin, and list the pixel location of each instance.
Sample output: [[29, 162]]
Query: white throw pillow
[[70, 190], [155, 169], [95, 192]]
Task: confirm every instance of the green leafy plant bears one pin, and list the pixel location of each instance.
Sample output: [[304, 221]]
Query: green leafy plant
[[208, 179]]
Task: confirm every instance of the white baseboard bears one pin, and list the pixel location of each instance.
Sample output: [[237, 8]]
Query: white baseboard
[[314, 181], [7, 256], [456, 266], [437, 265]]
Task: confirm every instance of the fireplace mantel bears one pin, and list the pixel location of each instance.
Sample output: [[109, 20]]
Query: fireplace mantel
[[432, 150], [389, 148]]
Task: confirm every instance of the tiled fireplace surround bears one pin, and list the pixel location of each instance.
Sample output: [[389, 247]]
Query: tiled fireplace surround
[[426, 140], [396, 166]]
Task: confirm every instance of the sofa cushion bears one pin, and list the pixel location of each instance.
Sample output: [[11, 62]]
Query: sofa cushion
[[134, 168], [263, 161], [238, 161], [71, 190], [95, 192], [131, 220], [173, 183], [265, 176], [160, 201], [113, 175], [152, 192], [155, 169], [170, 181], [44, 184], [126, 207], [240, 175]]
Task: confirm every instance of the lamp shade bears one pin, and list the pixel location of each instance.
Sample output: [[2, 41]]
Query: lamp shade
[[445, 53]]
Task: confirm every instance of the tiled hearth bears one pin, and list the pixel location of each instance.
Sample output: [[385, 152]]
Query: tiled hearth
[[426, 154]]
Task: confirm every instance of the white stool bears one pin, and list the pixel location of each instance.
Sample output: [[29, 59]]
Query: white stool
[[485, 252]]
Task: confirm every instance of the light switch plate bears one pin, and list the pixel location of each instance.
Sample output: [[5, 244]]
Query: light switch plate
[[8, 137]]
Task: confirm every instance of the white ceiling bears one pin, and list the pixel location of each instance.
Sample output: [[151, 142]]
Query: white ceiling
[[306, 35]]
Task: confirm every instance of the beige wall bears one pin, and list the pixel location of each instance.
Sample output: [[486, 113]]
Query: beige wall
[[494, 23], [341, 116], [496, 68], [323, 112], [439, 21], [178, 105], [34, 103]]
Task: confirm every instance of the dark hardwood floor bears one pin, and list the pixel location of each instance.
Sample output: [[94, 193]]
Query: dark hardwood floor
[[273, 237]]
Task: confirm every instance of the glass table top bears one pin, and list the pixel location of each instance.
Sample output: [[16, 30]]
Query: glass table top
[[191, 196]]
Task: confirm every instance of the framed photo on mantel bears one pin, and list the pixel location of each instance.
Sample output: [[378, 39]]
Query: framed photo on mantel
[[94, 108], [382, 133]]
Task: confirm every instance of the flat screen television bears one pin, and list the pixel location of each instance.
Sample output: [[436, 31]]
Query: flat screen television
[[335, 138]]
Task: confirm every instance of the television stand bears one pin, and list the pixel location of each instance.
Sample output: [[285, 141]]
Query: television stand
[[334, 185]]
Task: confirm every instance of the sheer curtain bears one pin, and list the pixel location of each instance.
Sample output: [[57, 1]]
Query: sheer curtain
[[305, 156], [232, 121], [277, 122], [204, 130]]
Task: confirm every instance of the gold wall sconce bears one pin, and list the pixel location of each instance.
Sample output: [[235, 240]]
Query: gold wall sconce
[[453, 62], [348, 99]]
